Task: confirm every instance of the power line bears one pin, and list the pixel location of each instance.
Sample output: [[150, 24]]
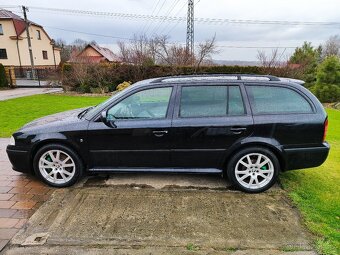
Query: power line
[[167, 14], [131, 39], [210, 21], [93, 34], [153, 11], [155, 15], [256, 47], [177, 21]]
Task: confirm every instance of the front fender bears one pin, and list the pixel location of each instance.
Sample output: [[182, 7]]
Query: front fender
[[42, 139]]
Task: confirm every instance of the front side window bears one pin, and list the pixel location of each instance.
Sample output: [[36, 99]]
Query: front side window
[[146, 104], [211, 101], [3, 54], [1, 30], [38, 35], [276, 100], [44, 53]]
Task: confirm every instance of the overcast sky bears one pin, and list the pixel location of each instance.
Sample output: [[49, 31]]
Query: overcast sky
[[235, 35]]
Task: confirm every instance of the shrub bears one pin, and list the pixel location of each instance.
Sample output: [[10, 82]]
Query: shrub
[[87, 77], [3, 79], [123, 85], [326, 93], [327, 87]]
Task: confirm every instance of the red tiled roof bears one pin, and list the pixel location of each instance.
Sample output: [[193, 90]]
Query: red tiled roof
[[19, 23], [19, 26], [105, 52]]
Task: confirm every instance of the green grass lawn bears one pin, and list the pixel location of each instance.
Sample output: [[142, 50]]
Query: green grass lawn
[[15, 113], [316, 192]]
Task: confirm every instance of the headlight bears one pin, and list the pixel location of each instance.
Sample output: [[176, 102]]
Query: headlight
[[12, 141]]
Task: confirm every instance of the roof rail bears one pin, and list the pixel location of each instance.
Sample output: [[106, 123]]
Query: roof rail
[[218, 76]]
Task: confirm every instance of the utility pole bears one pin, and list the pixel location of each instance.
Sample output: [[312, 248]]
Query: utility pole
[[190, 27], [24, 9]]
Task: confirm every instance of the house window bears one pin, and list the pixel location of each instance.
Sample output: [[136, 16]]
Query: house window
[[38, 35], [44, 52], [1, 31], [3, 54]]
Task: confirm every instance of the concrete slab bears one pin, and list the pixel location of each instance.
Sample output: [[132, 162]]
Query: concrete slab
[[117, 217], [162, 180], [22, 92]]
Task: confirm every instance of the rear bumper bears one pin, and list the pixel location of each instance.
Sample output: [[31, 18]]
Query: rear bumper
[[20, 159], [298, 158]]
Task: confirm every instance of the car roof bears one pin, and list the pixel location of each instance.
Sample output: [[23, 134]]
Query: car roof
[[198, 78]]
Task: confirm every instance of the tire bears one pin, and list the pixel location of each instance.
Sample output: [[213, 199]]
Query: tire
[[57, 165], [248, 174]]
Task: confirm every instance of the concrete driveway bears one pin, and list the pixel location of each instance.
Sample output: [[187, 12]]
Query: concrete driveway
[[22, 92], [150, 215], [157, 214]]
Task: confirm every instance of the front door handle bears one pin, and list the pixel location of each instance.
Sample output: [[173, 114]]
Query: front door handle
[[159, 133], [237, 130]]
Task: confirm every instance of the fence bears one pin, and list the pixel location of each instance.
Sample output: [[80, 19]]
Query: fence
[[37, 77]]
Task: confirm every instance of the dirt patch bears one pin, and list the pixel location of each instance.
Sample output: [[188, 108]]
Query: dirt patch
[[144, 220]]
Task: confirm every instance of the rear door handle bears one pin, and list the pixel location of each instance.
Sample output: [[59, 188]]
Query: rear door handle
[[238, 130], [159, 133]]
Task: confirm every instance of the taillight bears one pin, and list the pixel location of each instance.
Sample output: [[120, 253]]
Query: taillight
[[325, 130]]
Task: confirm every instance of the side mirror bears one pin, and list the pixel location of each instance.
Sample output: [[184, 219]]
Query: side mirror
[[103, 117], [109, 123]]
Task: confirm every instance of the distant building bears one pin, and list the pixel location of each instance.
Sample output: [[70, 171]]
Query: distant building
[[93, 53], [14, 46]]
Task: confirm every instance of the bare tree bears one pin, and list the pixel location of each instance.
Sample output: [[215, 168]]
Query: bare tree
[[137, 52], [205, 51], [66, 50], [81, 71], [99, 76], [331, 47], [170, 54], [275, 59], [158, 50]]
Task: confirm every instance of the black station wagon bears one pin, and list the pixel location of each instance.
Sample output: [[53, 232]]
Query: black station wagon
[[245, 127]]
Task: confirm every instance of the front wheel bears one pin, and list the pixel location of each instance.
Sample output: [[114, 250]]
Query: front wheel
[[253, 170], [57, 165]]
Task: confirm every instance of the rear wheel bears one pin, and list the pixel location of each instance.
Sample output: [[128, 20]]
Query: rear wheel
[[253, 169], [57, 165]]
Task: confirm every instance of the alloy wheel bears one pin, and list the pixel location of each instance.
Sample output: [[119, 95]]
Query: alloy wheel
[[57, 166], [254, 171]]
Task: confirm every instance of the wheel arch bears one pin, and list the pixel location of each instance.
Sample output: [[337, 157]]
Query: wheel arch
[[63, 142], [273, 148]]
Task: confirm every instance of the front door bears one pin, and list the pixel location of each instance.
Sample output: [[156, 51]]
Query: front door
[[207, 121], [139, 135]]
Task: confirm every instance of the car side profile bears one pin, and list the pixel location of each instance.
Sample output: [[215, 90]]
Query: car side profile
[[247, 128]]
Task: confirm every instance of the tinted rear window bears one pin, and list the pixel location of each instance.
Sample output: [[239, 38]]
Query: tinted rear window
[[271, 100], [211, 101]]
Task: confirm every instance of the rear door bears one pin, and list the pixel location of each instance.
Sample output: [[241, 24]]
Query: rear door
[[207, 120]]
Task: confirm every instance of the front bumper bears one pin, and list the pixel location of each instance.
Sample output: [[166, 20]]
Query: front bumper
[[20, 159], [299, 158]]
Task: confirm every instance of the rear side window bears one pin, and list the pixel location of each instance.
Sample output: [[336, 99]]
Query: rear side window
[[211, 101], [276, 100]]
